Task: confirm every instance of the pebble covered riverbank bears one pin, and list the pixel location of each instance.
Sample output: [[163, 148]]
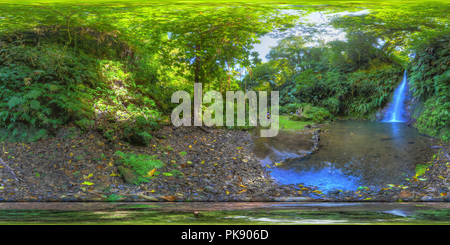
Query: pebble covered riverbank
[[219, 165]]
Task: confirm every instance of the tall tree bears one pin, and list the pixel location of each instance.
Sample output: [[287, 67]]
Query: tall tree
[[203, 44]]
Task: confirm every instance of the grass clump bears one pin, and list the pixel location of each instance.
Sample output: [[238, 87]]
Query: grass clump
[[287, 124]]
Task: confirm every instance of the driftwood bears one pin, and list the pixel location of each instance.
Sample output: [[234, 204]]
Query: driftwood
[[5, 165]]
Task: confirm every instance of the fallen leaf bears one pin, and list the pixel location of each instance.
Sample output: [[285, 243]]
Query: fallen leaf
[[88, 176], [244, 190], [150, 173], [87, 183]]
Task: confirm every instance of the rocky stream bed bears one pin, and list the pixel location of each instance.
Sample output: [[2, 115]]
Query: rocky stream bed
[[219, 166]]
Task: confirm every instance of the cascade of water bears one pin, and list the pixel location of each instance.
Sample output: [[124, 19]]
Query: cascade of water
[[396, 110]]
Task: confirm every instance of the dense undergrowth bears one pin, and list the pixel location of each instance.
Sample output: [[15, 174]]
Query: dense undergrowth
[[81, 67], [430, 85], [47, 84]]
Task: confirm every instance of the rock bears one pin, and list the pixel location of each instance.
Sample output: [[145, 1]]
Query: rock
[[426, 199], [293, 199], [404, 194], [209, 189], [118, 161], [334, 192]]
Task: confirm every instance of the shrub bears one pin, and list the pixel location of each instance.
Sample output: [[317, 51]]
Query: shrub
[[40, 89], [311, 113], [430, 83], [36, 91]]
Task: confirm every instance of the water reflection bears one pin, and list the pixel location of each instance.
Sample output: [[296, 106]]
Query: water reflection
[[352, 154], [326, 178]]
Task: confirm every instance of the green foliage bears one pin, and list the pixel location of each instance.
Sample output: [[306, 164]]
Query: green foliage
[[173, 172], [420, 169], [346, 78], [312, 114], [290, 108], [113, 67], [287, 124], [430, 83], [36, 91], [47, 85], [113, 198]]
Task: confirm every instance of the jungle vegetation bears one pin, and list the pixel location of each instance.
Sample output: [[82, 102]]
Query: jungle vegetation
[[113, 67]]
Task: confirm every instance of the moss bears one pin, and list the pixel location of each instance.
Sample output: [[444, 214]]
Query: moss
[[137, 169], [287, 124]]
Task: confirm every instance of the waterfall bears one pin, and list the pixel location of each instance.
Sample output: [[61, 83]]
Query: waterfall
[[395, 113]]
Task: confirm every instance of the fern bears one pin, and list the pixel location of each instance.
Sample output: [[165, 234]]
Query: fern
[[35, 105], [141, 164], [14, 101], [34, 94]]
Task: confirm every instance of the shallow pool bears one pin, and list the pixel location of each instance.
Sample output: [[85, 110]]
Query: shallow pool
[[351, 154]]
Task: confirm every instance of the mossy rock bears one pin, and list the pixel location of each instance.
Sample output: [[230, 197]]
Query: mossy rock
[[139, 138], [129, 176], [119, 161]]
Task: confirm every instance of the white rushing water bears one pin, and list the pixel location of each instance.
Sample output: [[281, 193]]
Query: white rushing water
[[395, 113]]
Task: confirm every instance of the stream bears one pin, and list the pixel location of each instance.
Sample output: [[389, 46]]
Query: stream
[[350, 154]]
